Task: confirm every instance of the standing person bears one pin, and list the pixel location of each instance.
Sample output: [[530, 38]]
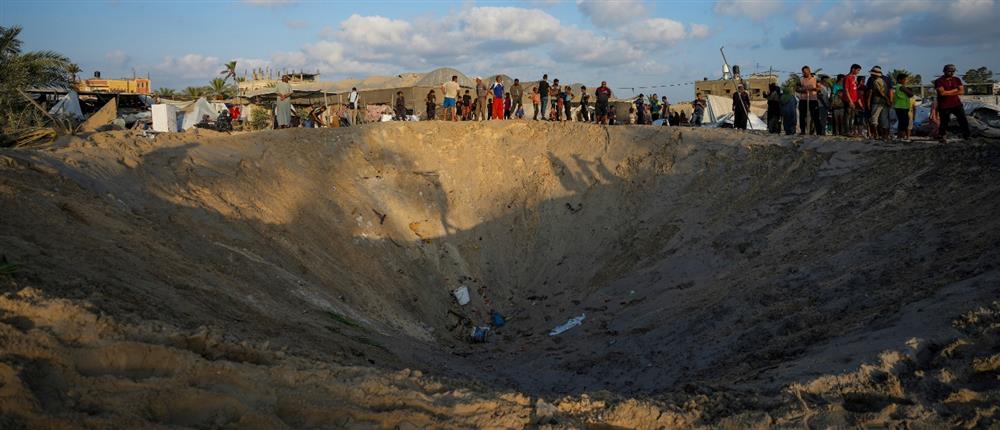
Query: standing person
[[466, 106], [498, 93], [481, 92], [640, 109], [450, 91], [773, 108], [654, 108], [698, 110], [567, 102], [584, 105], [823, 97], [543, 90], [432, 104], [864, 113], [536, 100], [283, 108], [839, 107], [506, 106], [560, 101], [808, 102], [741, 104], [516, 96], [949, 89], [852, 101], [602, 97], [555, 100], [789, 104], [352, 105], [902, 100], [665, 107], [879, 91], [400, 106]]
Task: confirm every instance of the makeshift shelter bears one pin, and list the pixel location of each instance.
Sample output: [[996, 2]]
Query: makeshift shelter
[[195, 111], [719, 113], [68, 106]]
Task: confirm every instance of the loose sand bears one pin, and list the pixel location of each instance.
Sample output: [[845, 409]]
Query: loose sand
[[302, 279]]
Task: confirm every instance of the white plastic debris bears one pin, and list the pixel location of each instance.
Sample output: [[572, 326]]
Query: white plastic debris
[[573, 322], [462, 295]]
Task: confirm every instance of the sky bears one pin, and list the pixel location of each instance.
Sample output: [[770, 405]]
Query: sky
[[630, 43]]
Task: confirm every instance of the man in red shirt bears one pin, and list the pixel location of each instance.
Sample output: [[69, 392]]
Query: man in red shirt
[[852, 101], [949, 88]]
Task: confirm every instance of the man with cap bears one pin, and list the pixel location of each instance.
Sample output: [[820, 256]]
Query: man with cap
[[879, 92], [949, 87]]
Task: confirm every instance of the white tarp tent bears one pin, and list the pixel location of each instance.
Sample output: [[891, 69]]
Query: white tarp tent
[[194, 112], [68, 106], [719, 111]]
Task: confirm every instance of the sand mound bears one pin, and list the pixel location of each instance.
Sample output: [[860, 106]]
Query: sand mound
[[303, 278]]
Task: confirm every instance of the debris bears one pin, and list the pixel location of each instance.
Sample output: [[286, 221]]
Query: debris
[[106, 115], [381, 216], [573, 322], [498, 319], [479, 334], [462, 295]]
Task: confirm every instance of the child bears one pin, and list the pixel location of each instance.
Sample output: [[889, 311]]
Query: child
[[901, 103], [506, 106], [568, 97], [466, 106], [839, 112], [536, 101]]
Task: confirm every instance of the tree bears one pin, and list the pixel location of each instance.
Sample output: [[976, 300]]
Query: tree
[[167, 93], [24, 70], [982, 75], [913, 79], [219, 88], [230, 71], [73, 70], [193, 92]]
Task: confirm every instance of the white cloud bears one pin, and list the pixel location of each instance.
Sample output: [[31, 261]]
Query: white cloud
[[191, 66], [612, 13], [512, 24], [753, 9], [699, 30], [117, 58], [296, 24], [374, 31], [656, 31]]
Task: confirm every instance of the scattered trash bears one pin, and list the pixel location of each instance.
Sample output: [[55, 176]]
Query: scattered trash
[[573, 322], [479, 334], [462, 295], [498, 320]]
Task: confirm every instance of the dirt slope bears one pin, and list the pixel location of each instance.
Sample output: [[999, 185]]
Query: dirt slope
[[292, 279]]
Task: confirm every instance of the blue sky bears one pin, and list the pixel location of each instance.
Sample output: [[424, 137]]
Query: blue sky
[[629, 43]]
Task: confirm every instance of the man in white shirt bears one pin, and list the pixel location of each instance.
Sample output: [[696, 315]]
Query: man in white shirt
[[352, 104], [450, 90]]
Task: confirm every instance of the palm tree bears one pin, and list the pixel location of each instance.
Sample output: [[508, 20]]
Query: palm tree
[[219, 88], [73, 69], [230, 71], [193, 92], [167, 93], [24, 70]]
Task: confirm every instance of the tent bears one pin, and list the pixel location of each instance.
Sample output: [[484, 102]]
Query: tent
[[68, 106], [193, 113], [719, 113]]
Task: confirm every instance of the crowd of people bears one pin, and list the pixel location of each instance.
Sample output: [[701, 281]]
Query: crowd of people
[[856, 106], [848, 105], [550, 102]]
